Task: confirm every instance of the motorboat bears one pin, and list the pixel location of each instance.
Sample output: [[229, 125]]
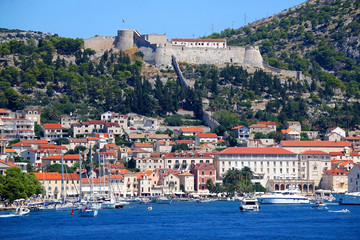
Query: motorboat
[[319, 204], [249, 204], [108, 205], [162, 200], [204, 200], [352, 198], [289, 196], [88, 212], [149, 208], [21, 211], [121, 204]]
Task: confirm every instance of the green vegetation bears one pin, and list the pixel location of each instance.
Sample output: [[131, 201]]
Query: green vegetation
[[56, 167], [235, 181], [317, 38], [16, 185]]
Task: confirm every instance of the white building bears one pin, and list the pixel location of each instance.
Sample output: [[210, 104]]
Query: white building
[[199, 43], [266, 163], [313, 164]]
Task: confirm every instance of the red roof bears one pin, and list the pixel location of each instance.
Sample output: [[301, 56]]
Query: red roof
[[52, 125], [163, 142], [315, 144], [2, 110], [267, 123], [184, 141], [237, 127], [197, 40], [191, 130], [21, 144], [204, 166], [94, 180], [207, 135], [189, 155], [9, 163], [93, 138], [255, 150], [96, 122], [65, 157], [312, 152], [352, 138], [56, 176], [336, 171], [148, 145]]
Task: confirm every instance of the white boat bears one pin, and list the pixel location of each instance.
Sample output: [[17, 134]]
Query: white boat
[[352, 198], [21, 211], [149, 208], [204, 200], [107, 205], [249, 204], [88, 212], [163, 200], [290, 196]]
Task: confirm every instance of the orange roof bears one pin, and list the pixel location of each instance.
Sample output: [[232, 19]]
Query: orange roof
[[121, 171], [52, 125], [184, 141], [341, 162], [188, 155], [56, 176], [198, 40], [65, 157], [207, 135], [192, 130], [336, 171], [9, 163], [315, 144], [352, 138], [237, 127], [2, 137], [221, 141], [162, 142], [7, 150], [2, 110], [267, 123], [117, 176], [255, 150], [21, 144], [94, 180], [93, 138], [110, 146], [312, 152], [143, 144], [285, 131]]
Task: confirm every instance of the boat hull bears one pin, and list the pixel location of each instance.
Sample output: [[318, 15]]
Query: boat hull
[[348, 199], [283, 201]]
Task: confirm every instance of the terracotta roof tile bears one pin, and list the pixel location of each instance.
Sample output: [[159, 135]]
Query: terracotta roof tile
[[255, 150], [315, 144]]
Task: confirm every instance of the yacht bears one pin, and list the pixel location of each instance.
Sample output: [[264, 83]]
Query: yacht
[[249, 204], [352, 198], [289, 196]]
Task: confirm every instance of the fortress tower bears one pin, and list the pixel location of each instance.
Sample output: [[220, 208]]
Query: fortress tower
[[125, 39]]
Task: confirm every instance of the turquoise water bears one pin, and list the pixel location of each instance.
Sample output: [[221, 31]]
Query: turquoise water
[[189, 220]]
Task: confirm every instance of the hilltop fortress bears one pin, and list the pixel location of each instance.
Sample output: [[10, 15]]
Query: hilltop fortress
[[158, 50]]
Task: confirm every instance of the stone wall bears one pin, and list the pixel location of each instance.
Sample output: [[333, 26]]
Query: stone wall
[[100, 43], [248, 55]]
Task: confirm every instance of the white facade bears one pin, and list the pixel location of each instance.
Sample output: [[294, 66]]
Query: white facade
[[312, 164], [266, 163], [199, 43]]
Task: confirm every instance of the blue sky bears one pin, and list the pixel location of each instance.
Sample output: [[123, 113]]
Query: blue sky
[[85, 19]]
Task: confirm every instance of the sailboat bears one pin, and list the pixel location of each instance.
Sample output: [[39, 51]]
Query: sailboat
[[90, 210], [111, 203]]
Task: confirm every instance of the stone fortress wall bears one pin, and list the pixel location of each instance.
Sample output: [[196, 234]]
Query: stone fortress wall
[[158, 51]]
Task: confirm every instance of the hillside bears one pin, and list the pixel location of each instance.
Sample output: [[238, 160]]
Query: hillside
[[61, 76], [319, 38]]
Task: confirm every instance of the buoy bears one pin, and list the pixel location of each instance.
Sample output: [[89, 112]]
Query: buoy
[[72, 211]]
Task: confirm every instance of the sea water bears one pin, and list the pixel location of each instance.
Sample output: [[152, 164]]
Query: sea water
[[189, 220]]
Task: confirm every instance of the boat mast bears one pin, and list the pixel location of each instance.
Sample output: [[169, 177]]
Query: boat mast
[[103, 164], [80, 176], [98, 157], [62, 179], [91, 171]]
